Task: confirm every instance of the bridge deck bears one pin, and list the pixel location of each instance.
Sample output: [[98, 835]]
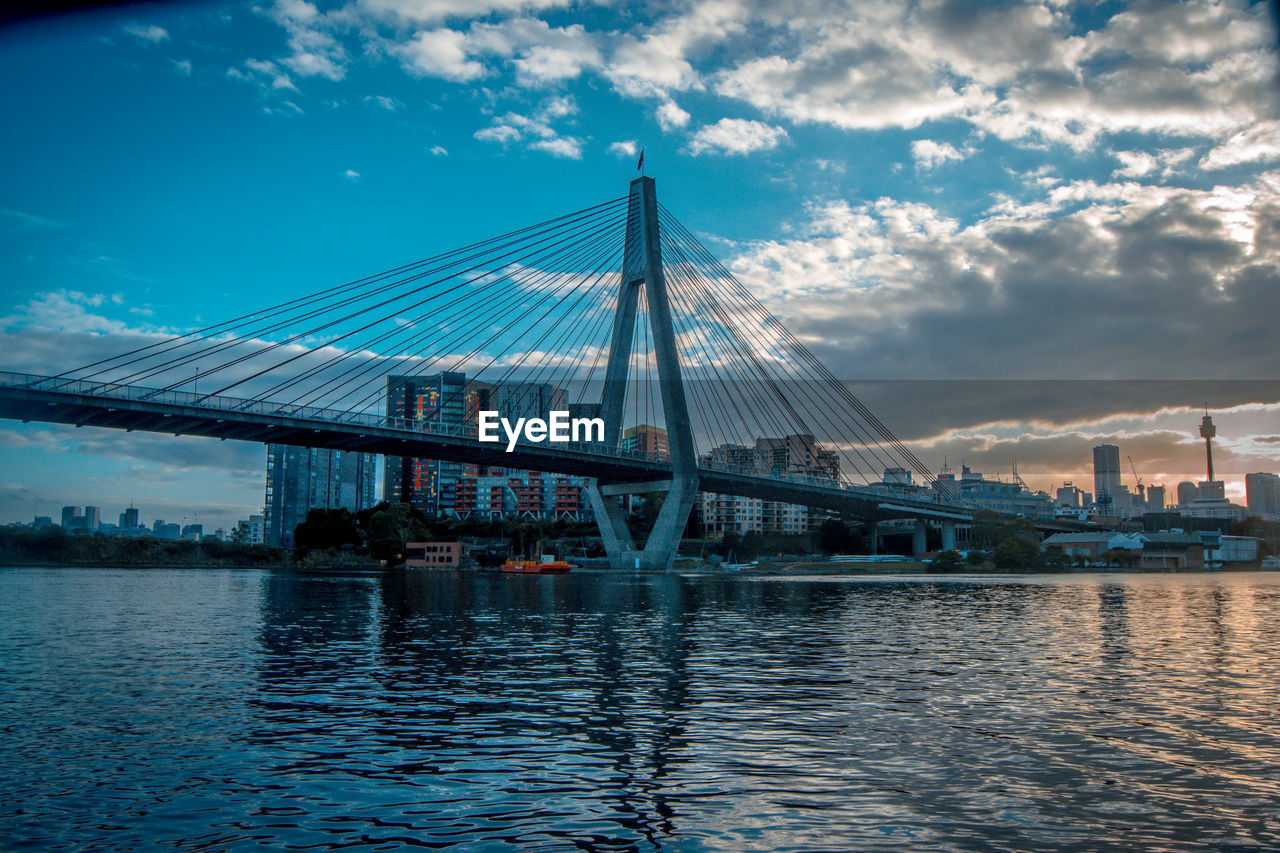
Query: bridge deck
[[81, 403]]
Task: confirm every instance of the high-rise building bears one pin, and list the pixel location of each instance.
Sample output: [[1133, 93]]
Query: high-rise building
[[1187, 492], [129, 519], [1155, 498], [777, 456], [1069, 496], [439, 401], [1262, 494], [300, 479], [796, 454], [647, 441], [91, 518], [71, 518], [1106, 472], [1214, 490], [451, 402]]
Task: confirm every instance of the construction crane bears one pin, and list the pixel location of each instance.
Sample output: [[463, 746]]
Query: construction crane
[[1142, 492]]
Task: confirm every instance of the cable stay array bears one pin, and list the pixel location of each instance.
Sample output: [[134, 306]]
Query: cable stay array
[[531, 310]]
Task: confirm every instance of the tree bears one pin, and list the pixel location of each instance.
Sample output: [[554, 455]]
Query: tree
[[392, 527], [834, 537], [976, 557], [946, 561], [1016, 552], [326, 529]]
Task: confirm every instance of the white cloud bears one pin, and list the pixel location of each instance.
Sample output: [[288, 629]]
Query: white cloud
[[623, 148], [930, 154], [502, 133], [736, 136], [351, 175], [182, 66], [315, 50], [563, 146], [440, 53], [537, 130], [670, 116], [146, 32], [383, 101], [439, 151], [1048, 288], [433, 11], [1257, 144]]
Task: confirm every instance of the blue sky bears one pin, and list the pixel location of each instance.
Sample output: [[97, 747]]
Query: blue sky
[[943, 190]]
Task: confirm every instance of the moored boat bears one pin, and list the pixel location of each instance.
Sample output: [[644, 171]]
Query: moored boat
[[535, 567]]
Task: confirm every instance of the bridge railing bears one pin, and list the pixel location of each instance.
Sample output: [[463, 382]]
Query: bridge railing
[[118, 391]]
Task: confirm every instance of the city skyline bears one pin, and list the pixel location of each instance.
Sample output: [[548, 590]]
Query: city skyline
[[928, 216]]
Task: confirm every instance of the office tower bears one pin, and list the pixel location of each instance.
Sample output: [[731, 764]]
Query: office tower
[[440, 401], [129, 519], [1155, 498], [1106, 472], [71, 518], [1187, 492], [1262, 493], [300, 479], [91, 518]]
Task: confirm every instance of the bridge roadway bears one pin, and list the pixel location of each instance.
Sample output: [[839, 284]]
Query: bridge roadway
[[81, 403]]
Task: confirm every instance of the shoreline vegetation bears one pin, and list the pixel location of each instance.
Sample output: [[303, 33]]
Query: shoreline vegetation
[[375, 540]]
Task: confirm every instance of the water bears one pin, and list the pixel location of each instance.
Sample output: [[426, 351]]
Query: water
[[235, 710]]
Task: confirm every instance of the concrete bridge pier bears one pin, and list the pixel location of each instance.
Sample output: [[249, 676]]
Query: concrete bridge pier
[[642, 268], [919, 540], [948, 535]]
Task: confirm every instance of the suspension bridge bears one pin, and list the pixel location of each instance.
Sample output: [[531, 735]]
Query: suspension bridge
[[616, 312]]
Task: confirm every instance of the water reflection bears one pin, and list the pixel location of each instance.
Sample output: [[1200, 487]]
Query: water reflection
[[629, 712]]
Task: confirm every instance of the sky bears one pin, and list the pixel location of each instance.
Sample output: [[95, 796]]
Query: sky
[[1024, 228]]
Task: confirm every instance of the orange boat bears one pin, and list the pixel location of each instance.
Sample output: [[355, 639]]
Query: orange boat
[[535, 567]]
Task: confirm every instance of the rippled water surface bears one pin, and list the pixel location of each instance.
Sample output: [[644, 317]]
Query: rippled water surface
[[232, 710]]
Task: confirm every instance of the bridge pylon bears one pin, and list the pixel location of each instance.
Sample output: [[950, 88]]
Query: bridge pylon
[[642, 268]]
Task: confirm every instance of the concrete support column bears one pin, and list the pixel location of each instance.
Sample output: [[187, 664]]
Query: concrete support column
[[948, 535], [919, 543]]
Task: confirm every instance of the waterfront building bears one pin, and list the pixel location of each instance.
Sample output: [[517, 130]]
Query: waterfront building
[[300, 479], [1106, 472], [497, 493], [647, 441], [193, 532], [1010, 498], [796, 454], [435, 402], [433, 555], [720, 514], [447, 401], [249, 531], [1262, 494]]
